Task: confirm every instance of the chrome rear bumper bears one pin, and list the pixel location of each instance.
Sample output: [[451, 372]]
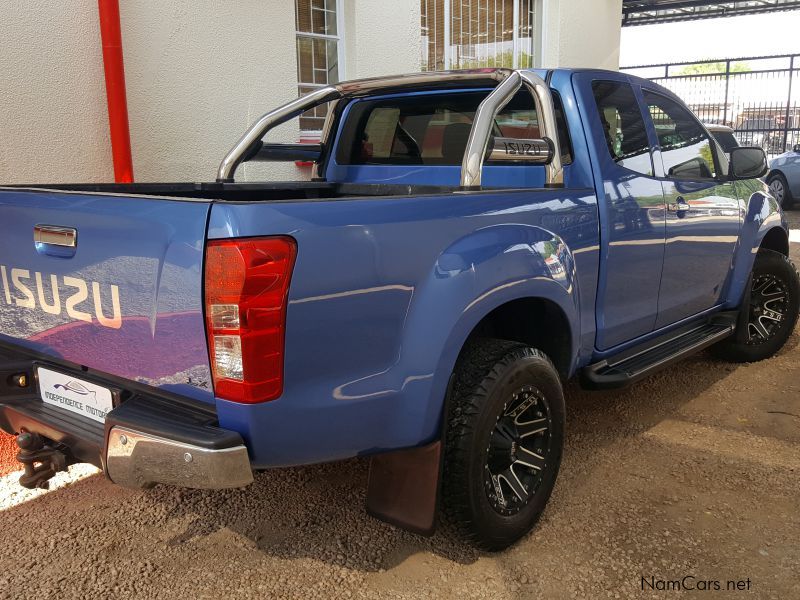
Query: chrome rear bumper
[[147, 438], [141, 460]]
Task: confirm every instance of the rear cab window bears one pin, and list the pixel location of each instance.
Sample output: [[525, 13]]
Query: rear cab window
[[433, 129]]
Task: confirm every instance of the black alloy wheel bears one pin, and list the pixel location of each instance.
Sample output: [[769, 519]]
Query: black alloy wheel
[[503, 444], [769, 308], [519, 447], [768, 318]]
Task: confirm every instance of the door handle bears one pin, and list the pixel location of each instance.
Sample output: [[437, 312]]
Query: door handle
[[680, 207]]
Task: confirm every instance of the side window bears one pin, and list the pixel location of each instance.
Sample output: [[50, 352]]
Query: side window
[[686, 149], [623, 126]]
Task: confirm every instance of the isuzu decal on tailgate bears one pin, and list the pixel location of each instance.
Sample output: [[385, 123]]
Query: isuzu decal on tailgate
[[15, 282]]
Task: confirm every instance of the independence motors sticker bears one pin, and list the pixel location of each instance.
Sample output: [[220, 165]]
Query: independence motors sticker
[[75, 395]]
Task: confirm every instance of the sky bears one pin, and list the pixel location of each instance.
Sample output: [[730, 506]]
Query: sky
[[731, 37]]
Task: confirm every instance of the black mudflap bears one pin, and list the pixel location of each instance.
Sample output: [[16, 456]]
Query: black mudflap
[[403, 487]]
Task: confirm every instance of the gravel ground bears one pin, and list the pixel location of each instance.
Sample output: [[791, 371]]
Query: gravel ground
[[693, 472]]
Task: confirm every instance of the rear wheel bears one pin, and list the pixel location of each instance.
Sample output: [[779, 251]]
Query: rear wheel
[[768, 319], [504, 441], [780, 190]]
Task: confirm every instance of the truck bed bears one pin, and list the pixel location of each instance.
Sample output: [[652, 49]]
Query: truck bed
[[247, 192]]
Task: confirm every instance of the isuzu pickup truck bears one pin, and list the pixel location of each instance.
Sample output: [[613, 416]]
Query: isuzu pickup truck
[[470, 240]]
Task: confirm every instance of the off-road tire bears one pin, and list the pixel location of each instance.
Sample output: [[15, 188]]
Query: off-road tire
[[486, 377], [774, 270]]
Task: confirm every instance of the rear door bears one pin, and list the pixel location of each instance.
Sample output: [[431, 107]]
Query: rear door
[[111, 283], [703, 215]]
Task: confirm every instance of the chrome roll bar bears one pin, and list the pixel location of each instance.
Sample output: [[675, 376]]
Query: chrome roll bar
[[508, 83], [472, 166], [548, 125], [259, 129], [482, 125]]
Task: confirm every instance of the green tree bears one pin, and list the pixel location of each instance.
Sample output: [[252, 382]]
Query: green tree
[[504, 59], [713, 68], [705, 152]]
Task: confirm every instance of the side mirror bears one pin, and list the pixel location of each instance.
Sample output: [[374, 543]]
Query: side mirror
[[748, 163], [796, 148]]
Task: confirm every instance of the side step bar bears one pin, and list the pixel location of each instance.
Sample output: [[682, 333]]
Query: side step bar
[[619, 371]]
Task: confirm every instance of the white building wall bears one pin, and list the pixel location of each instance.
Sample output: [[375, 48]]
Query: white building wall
[[382, 37], [53, 120], [199, 72], [581, 33]]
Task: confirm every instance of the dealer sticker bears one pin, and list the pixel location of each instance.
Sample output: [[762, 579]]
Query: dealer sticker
[[75, 395]]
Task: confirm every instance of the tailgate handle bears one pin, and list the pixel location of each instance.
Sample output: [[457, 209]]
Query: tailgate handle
[[55, 240], [54, 235]]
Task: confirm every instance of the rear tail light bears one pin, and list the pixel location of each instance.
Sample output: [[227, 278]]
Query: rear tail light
[[247, 284]]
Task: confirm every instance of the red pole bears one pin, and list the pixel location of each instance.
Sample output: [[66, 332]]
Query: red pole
[[111, 35]]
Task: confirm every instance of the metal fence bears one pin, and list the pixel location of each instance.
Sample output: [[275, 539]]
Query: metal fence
[[757, 95]]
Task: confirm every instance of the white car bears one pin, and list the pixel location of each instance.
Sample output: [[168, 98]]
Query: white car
[[784, 177]]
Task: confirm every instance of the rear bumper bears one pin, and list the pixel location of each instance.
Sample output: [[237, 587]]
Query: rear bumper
[[138, 459], [146, 439]]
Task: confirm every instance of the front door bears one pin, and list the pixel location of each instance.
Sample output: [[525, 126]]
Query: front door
[[631, 201], [703, 215]]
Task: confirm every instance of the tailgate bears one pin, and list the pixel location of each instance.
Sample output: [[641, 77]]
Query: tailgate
[[125, 298]]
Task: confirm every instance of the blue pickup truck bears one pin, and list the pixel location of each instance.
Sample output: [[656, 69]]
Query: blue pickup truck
[[470, 240]]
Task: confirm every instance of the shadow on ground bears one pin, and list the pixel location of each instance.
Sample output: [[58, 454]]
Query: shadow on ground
[[318, 511]]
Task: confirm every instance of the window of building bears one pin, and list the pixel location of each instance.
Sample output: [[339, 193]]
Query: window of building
[[686, 148], [319, 52], [467, 34], [623, 126]]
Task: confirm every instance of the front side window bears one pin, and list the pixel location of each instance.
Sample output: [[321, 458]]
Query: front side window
[[686, 149], [433, 129], [623, 126], [318, 49]]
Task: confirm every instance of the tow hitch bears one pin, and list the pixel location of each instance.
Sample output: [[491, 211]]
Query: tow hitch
[[41, 461]]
